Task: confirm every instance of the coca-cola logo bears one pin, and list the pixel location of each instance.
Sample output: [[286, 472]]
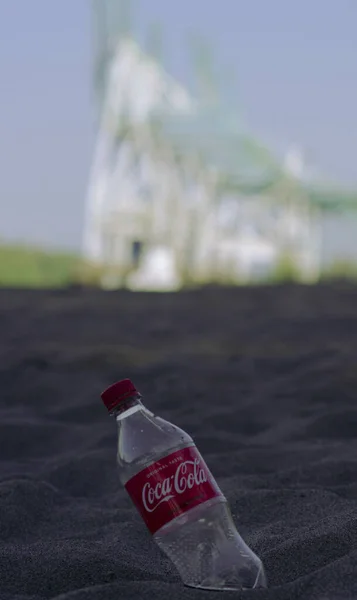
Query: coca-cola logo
[[188, 474]]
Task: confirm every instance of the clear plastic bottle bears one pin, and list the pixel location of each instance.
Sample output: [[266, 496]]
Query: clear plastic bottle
[[178, 498]]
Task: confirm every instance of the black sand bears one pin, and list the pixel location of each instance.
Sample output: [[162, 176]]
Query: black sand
[[264, 379]]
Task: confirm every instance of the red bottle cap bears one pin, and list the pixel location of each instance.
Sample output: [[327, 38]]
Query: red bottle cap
[[118, 392]]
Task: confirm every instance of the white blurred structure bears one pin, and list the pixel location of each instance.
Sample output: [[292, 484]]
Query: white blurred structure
[[170, 200], [125, 175], [294, 162]]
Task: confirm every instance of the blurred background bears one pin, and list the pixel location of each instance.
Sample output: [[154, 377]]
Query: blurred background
[[160, 145]]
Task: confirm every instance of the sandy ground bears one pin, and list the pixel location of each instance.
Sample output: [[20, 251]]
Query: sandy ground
[[263, 379]]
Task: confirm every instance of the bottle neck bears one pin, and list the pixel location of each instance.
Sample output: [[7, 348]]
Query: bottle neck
[[126, 408]]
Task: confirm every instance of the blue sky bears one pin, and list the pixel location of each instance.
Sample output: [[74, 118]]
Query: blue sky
[[294, 63]]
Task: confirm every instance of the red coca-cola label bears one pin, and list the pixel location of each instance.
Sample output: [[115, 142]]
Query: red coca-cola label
[[172, 486]]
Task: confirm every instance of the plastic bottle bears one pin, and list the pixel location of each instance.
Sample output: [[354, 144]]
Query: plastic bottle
[[178, 498]]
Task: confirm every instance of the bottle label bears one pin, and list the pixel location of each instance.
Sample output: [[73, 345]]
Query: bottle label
[[172, 486]]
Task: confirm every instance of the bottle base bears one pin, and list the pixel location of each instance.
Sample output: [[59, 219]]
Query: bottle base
[[228, 586], [208, 551], [216, 588]]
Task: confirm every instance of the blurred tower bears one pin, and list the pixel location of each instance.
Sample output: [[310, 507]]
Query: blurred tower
[[134, 172]]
